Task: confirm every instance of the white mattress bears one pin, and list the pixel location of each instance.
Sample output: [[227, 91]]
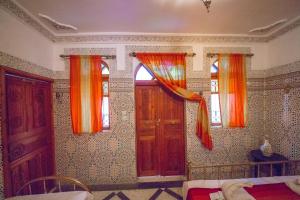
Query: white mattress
[[73, 195], [218, 183]]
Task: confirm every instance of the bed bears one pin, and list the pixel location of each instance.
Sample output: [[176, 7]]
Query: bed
[[265, 188], [53, 187]]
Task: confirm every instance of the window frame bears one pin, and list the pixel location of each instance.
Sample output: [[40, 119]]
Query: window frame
[[215, 76], [105, 78]]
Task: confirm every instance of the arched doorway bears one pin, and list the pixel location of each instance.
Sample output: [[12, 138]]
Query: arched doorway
[[159, 127]]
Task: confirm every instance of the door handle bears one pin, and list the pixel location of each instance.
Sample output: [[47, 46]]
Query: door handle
[[157, 122]]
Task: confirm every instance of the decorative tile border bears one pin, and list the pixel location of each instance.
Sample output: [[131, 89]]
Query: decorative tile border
[[158, 38], [23, 65], [24, 16], [283, 69]]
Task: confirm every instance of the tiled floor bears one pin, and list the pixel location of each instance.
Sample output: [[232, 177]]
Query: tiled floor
[[140, 194]]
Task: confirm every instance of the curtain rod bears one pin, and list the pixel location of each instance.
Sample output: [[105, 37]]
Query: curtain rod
[[102, 56], [133, 54], [216, 54]]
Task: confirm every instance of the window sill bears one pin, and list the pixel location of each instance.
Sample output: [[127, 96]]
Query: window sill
[[215, 126]]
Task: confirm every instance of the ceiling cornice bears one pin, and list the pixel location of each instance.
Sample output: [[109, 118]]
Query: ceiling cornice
[[24, 16], [16, 10]]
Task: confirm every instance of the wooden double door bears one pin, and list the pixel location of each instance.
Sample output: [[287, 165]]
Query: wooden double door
[[27, 133], [160, 131]]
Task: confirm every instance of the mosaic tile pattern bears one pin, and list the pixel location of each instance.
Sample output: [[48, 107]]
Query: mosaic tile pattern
[[282, 123], [107, 157]]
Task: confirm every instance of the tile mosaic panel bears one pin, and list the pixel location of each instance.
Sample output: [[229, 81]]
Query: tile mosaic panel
[[107, 157], [282, 108]]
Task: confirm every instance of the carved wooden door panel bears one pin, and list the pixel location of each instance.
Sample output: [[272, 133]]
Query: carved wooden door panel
[[29, 135], [172, 134], [147, 144], [160, 131]]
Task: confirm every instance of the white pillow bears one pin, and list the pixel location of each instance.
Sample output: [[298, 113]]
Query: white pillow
[[235, 190]]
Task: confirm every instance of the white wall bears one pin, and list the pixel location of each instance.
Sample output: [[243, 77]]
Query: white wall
[[285, 49], [22, 41]]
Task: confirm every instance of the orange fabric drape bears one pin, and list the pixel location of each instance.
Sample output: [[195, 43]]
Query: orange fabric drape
[[170, 70], [233, 90], [86, 94]]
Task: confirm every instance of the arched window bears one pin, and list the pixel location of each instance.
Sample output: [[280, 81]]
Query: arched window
[[105, 101], [215, 103]]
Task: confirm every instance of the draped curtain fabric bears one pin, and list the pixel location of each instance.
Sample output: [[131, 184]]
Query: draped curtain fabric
[[233, 90], [170, 70], [86, 94]]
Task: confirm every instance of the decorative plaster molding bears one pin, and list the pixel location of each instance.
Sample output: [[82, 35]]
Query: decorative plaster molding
[[19, 12], [158, 38], [284, 29]]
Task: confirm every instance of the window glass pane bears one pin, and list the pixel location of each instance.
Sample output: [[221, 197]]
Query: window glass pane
[[105, 88], [214, 85], [105, 70], [215, 109], [214, 67], [105, 112], [143, 74]]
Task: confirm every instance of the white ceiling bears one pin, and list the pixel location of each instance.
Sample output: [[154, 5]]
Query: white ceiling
[[165, 16]]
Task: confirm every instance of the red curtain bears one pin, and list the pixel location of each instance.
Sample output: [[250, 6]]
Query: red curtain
[[233, 90], [86, 94]]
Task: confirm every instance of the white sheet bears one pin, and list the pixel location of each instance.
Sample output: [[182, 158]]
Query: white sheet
[[218, 183], [73, 195]]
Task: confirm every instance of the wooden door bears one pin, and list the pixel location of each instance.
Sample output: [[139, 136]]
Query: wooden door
[[160, 131], [172, 147], [28, 152]]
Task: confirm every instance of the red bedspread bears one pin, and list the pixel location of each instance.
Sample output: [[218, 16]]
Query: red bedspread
[[278, 191]]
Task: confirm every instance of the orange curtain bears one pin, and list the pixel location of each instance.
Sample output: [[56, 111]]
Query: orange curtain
[[86, 94], [170, 70], [233, 90]]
